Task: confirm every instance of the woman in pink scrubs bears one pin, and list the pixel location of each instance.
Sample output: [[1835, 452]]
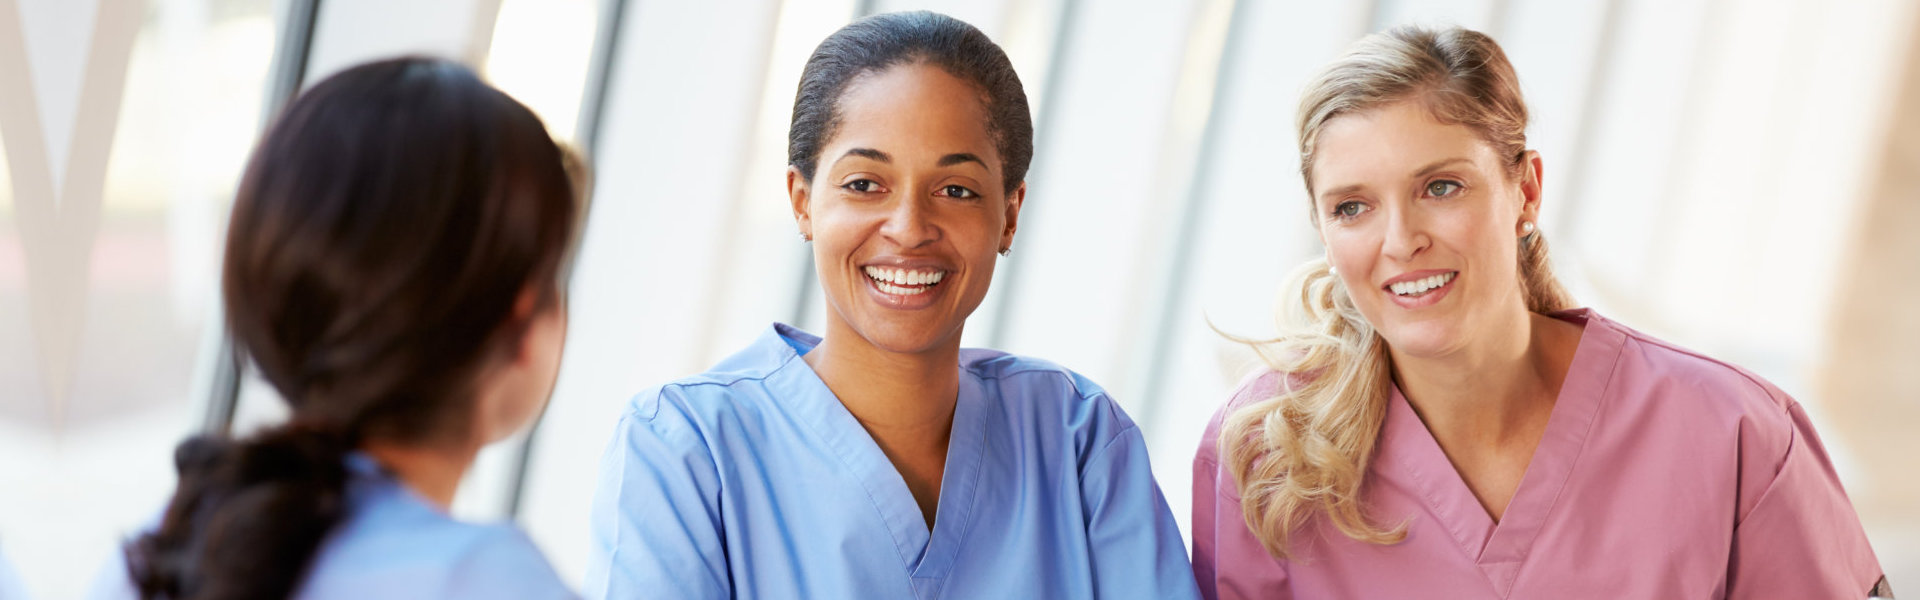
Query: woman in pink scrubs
[[1439, 421]]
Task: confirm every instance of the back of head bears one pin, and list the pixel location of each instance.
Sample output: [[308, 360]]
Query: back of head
[[384, 230], [1307, 450], [876, 43]]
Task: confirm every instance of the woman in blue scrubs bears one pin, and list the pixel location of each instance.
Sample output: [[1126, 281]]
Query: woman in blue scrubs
[[392, 267], [881, 460]]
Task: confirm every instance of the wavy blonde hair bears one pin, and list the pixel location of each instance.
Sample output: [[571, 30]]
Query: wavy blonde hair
[[1306, 450]]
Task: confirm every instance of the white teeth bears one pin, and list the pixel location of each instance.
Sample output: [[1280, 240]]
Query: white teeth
[[901, 291], [1420, 286], [892, 280]]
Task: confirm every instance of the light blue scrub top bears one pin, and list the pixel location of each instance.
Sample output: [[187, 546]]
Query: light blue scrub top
[[753, 481], [396, 544]]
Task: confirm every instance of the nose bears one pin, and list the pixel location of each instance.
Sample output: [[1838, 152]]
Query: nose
[[908, 224], [1406, 235]]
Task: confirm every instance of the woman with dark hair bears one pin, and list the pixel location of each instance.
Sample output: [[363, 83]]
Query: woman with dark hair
[[881, 460], [393, 268]]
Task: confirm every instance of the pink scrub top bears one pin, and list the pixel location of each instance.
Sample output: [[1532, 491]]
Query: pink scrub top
[[1662, 474]]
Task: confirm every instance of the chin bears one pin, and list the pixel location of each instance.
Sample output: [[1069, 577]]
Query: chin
[[1424, 339], [907, 336]]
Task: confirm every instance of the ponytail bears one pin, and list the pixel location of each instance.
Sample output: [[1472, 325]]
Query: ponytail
[[1306, 450], [247, 517]]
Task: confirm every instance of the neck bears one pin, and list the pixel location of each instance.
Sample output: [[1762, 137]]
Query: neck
[[1491, 391], [434, 472], [891, 392]]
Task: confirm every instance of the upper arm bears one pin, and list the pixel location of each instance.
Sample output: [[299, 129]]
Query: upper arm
[[1133, 543], [656, 513], [1229, 561], [1797, 534]]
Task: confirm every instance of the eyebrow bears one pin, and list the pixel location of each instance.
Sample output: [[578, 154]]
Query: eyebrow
[[1422, 172], [865, 153], [961, 157], [945, 161]]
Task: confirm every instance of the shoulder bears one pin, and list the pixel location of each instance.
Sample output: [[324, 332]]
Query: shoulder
[[1051, 396], [1653, 380], [683, 406], [1255, 387], [1036, 376], [1652, 369], [502, 562], [740, 380], [405, 549]]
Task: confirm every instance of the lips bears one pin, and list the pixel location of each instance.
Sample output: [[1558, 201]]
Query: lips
[[1422, 285], [904, 281], [1420, 289]]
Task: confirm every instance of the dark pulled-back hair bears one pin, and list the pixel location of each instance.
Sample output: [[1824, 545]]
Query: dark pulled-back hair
[[385, 229], [876, 43]]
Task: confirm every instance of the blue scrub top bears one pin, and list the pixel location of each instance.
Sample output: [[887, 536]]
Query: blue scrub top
[[396, 544], [753, 481]]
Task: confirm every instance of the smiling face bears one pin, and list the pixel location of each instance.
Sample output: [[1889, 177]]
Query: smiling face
[[907, 209], [1421, 220]]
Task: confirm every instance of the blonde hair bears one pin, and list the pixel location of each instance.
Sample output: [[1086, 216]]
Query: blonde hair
[[1307, 449]]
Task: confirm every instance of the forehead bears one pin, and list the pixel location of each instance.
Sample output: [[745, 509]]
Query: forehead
[[1390, 143], [912, 108]]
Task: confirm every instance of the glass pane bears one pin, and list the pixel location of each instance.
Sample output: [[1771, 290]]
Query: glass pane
[[540, 55], [188, 111]]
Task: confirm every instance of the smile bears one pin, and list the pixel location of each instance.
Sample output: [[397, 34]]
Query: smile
[[904, 282], [1420, 287]]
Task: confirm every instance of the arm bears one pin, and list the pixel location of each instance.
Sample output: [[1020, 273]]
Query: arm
[[1800, 538], [1228, 560], [1222, 543], [656, 522], [1133, 543]]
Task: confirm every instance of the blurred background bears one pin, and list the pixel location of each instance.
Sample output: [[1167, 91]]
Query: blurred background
[[1740, 177]]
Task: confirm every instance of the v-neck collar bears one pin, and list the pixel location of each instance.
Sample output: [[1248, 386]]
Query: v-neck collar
[[924, 554], [1500, 548]]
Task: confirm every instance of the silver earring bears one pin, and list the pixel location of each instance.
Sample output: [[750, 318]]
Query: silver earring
[[804, 237], [1007, 251], [1332, 271]]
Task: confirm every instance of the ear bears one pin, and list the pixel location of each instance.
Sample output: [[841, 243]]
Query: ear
[[526, 309], [1530, 186], [797, 190], [1015, 200]]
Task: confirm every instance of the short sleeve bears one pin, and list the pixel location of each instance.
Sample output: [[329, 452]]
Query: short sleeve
[[505, 564], [656, 524], [1229, 562], [1133, 542], [1801, 538]]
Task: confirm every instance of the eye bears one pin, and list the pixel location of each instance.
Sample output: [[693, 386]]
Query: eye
[[1443, 188], [1348, 210], [958, 192], [863, 186]]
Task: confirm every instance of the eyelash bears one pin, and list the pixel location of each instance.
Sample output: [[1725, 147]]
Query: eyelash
[[1339, 210], [852, 186], [1457, 186], [953, 191], [964, 193]]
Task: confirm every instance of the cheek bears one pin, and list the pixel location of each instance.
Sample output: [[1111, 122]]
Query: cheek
[[1352, 255]]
